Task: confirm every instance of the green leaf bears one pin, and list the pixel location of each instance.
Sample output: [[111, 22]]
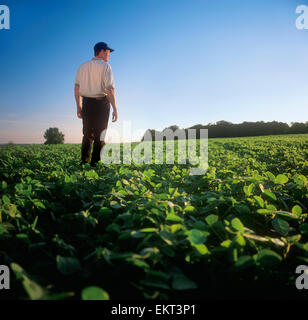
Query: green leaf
[[149, 173], [245, 189], [249, 189], [211, 219], [10, 209], [300, 180], [219, 229], [240, 240], [94, 293], [281, 179], [242, 208], [200, 225], [156, 279], [270, 176], [6, 227], [23, 189], [113, 227], [138, 263], [181, 282], [67, 265], [196, 236], [226, 243], [162, 196], [105, 210], [237, 225], [2, 230], [91, 174], [244, 262], [201, 248], [39, 204], [176, 227], [286, 214], [265, 211], [149, 230], [6, 199], [35, 222], [158, 275], [23, 237], [33, 289], [270, 194], [268, 258], [257, 176], [115, 205], [297, 210], [174, 218], [124, 181], [136, 234], [281, 226], [189, 209], [271, 207], [259, 201]]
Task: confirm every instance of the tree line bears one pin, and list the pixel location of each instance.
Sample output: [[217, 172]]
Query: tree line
[[225, 129]]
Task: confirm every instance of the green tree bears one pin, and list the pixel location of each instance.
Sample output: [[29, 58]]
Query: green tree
[[53, 136], [173, 128]]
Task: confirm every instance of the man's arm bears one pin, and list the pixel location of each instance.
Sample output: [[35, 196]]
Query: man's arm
[[78, 100], [111, 98]]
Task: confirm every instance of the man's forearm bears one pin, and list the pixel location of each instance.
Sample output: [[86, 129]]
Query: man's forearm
[[111, 98], [77, 97]]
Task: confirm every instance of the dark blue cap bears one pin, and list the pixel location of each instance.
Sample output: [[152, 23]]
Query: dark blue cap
[[102, 46]]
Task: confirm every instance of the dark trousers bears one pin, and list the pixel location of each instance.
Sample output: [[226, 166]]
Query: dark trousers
[[95, 116]]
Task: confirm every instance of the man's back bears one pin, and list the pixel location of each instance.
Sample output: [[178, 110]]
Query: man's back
[[94, 77]]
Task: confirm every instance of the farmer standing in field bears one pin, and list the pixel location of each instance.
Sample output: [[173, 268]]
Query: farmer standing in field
[[94, 83]]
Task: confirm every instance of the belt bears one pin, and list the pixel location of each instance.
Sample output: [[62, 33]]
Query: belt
[[96, 98]]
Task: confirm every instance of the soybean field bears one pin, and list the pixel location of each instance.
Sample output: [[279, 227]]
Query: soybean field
[[153, 231]]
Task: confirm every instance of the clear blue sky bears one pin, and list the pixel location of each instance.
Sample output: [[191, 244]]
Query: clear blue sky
[[175, 62]]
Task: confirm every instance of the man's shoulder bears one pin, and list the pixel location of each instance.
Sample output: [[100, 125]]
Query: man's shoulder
[[102, 62], [83, 64], [97, 62], [89, 62]]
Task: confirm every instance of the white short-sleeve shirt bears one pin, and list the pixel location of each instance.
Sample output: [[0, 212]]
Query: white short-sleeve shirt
[[94, 77]]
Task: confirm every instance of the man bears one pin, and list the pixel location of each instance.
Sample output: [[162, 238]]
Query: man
[[94, 83]]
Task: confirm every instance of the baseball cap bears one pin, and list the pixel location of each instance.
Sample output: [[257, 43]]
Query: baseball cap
[[102, 46]]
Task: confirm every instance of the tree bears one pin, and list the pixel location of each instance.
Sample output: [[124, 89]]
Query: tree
[[224, 128], [298, 127], [53, 136], [173, 128]]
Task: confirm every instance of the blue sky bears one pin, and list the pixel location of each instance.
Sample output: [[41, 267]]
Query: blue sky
[[175, 62]]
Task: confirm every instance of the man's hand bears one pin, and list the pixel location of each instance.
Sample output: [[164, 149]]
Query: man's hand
[[111, 98], [114, 115], [79, 114], [78, 101]]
